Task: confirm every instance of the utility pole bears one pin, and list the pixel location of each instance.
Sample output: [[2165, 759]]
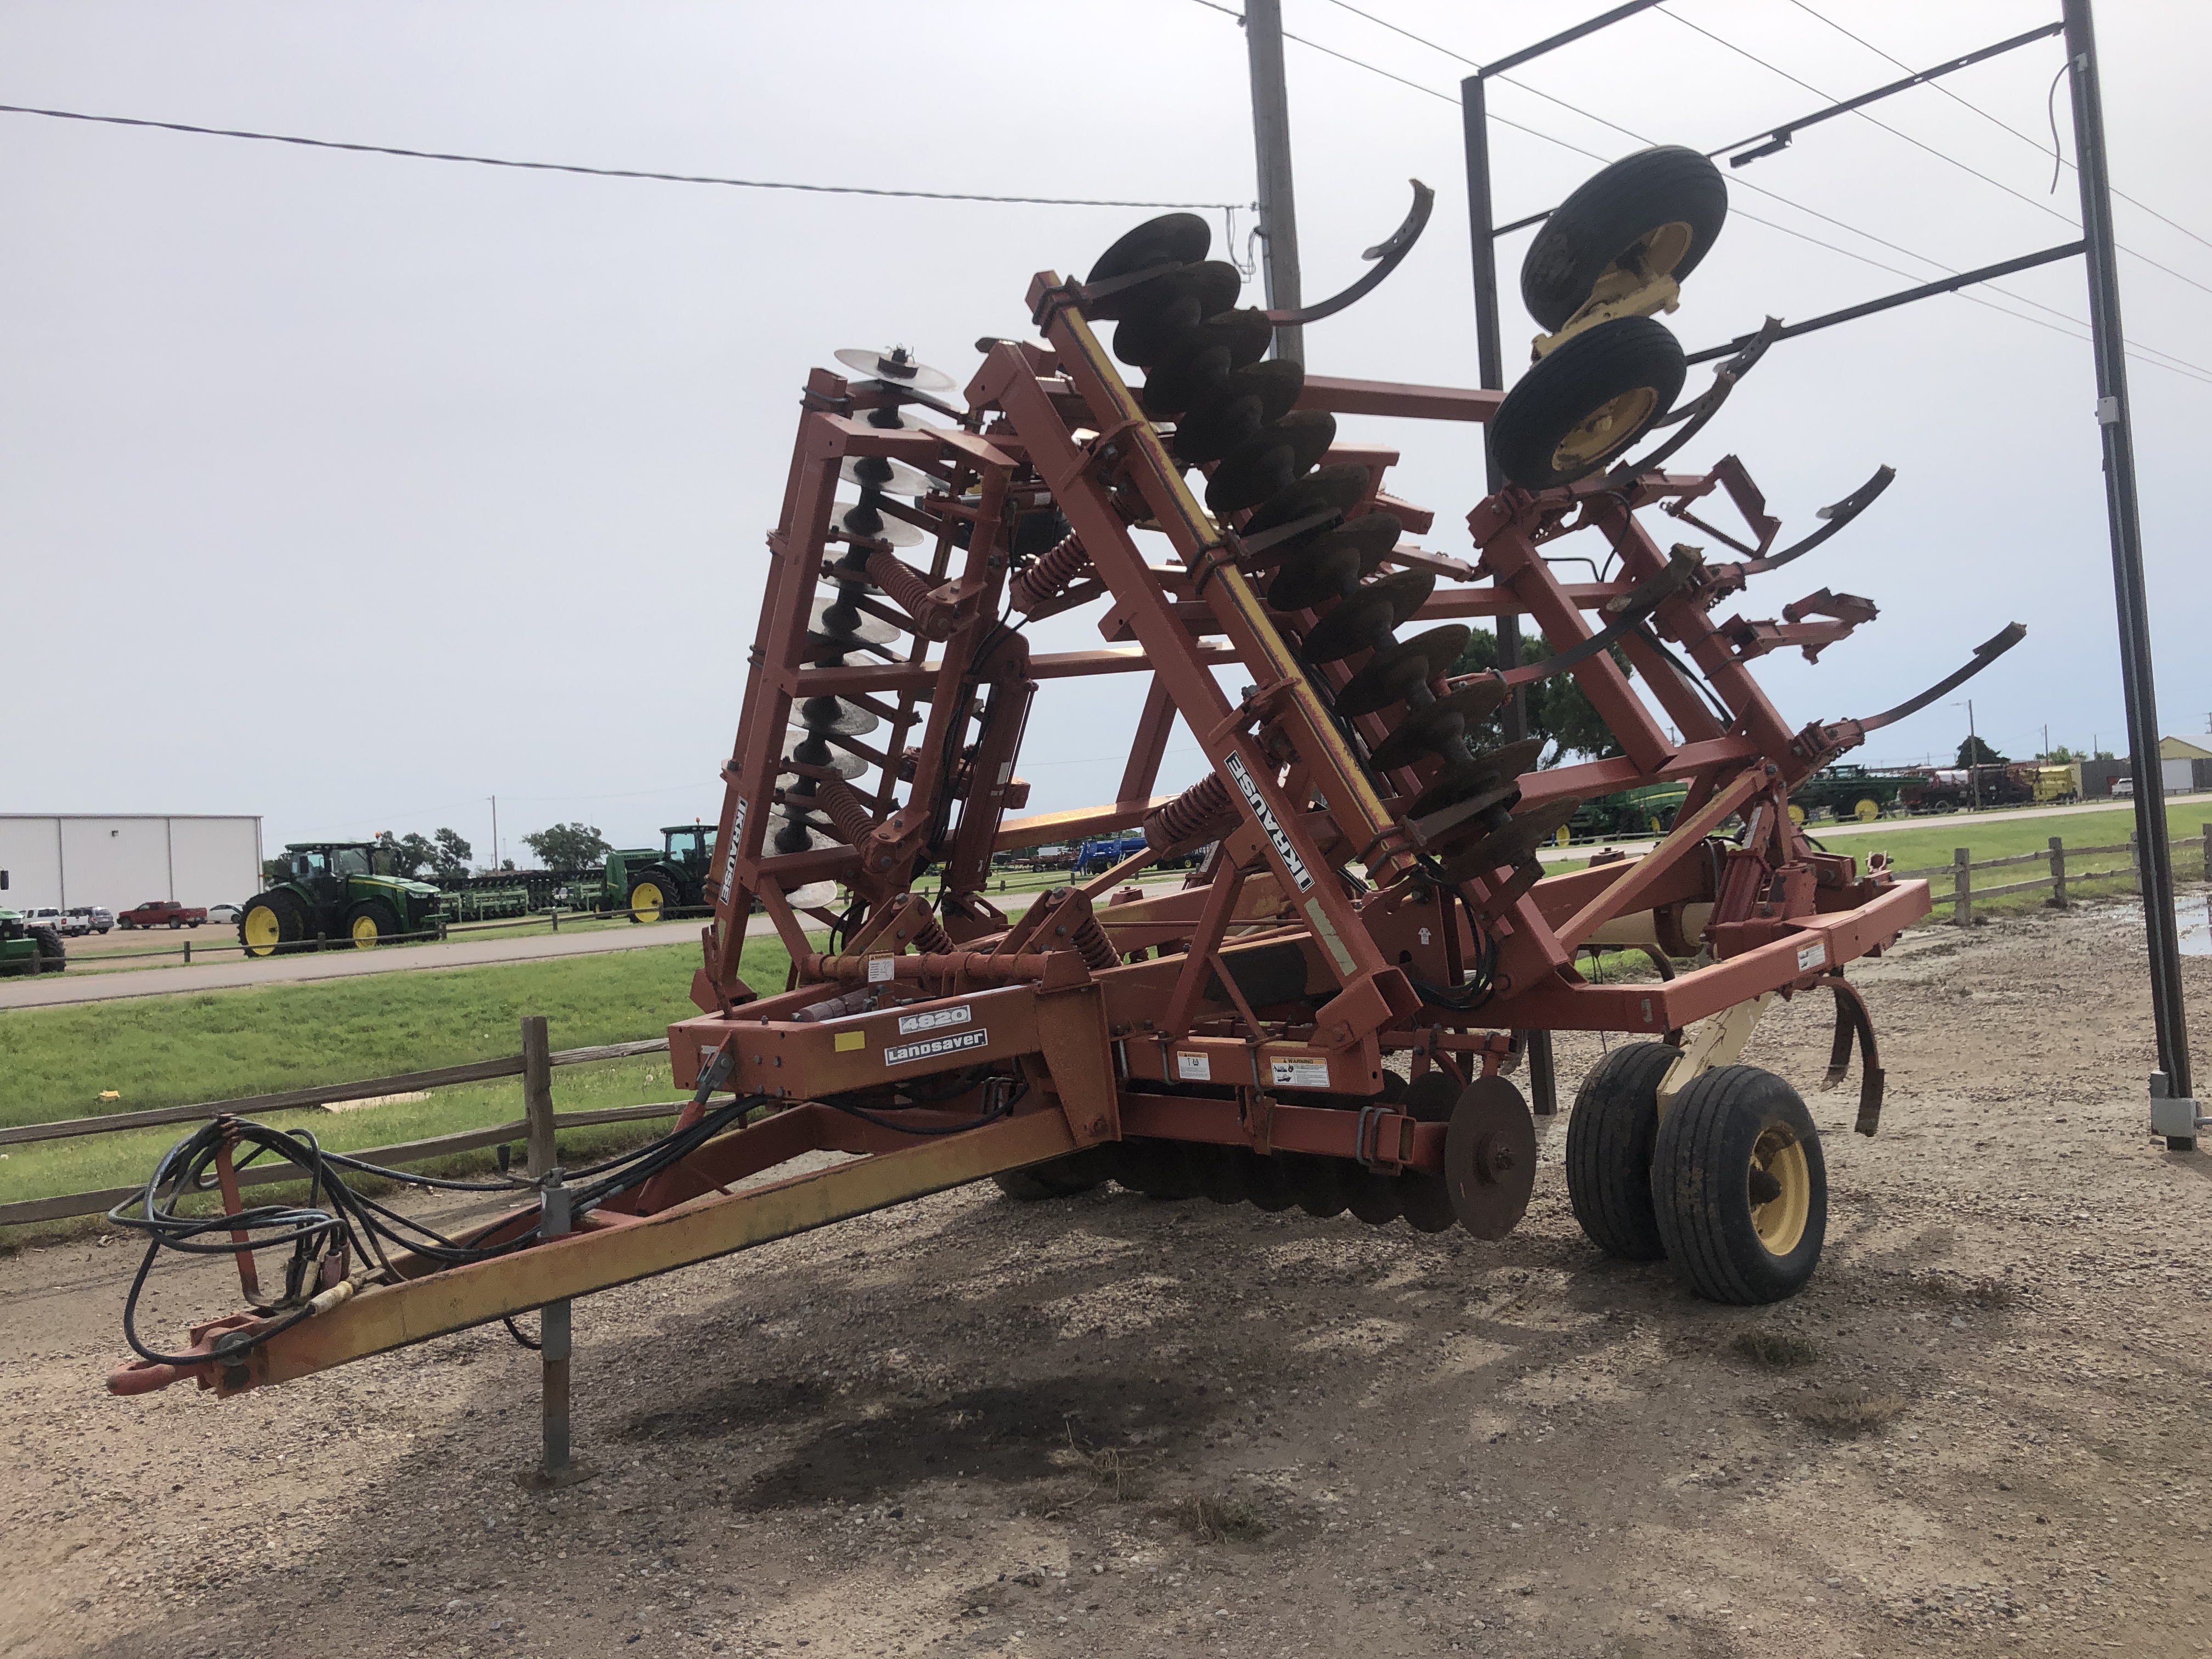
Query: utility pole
[[1489, 350], [2173, 1106], [495, 832], [1974, 754], [1271, 142]]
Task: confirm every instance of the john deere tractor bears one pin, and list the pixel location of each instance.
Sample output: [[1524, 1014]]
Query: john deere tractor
[[650, 884], [25, 949], [342, 892]]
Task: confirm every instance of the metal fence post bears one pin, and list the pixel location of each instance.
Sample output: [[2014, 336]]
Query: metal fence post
[[538, 1095], [1962, 887], [556, 1345], [2058, 873], [2135, 858], [2204, 830]]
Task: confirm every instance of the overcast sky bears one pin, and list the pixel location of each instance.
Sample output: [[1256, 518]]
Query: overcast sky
[[351, 491]]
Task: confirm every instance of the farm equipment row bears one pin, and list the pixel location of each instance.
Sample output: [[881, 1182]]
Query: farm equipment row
[[1328, 1013]]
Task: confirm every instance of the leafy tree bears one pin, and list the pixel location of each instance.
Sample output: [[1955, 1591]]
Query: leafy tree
[[449, 854], [1976, 751], [409, 853], [1558, 710], [568, 846], [2062, 755]]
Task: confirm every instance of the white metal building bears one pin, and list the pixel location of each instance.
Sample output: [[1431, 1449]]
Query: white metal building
[[122, 859]]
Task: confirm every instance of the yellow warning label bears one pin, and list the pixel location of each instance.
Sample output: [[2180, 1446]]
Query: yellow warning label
[[848, 1041]]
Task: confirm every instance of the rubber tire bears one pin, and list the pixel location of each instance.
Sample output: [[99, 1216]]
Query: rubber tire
[[1062, 1177], [291, 923], [1610, 1135], [52, 954], [386, 919], [1562, 391], [672, 895], [1699, 1166], [1608, 214]]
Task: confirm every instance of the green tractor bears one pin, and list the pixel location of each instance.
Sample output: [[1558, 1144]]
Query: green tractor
[[25, 949], [343, 891], [652, 882]]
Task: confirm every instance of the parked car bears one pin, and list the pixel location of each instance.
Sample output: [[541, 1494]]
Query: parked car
[[162, 913], [228, 914], [2123, 787], [44, 915], [89, 919]]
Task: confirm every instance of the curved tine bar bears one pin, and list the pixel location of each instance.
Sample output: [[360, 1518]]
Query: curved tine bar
[[1696, 414], [1838, 515], [1391, 251], [1681, 570], [1985, 653]]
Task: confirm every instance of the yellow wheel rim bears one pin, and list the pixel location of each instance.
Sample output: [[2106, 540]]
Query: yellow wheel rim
[[1796, 813], [1564, 837], [647, 899], [260, 931], [1866, 811], [1664, 248], [1780, 1222], [364, 933], [1604, 430]]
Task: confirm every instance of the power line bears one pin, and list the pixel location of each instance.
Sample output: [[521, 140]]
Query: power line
[[2029, 139], [2177, 365], [591, 172], [1940, 155]]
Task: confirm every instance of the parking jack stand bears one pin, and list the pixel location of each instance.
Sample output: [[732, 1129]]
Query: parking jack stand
[[555, 1468]]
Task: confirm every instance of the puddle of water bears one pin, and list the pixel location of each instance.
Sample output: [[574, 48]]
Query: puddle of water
[[2193, 923]]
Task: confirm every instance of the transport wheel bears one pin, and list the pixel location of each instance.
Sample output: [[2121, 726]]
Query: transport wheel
[[52, 954], [1796, 813], [1740, 1187], [1609, 1139], [1662, 207], [648, 897], [1062, 1178], [1577, 409], [1866, 811], [272, 922], [1266, 1180], [371, 922], [1156, 1169]]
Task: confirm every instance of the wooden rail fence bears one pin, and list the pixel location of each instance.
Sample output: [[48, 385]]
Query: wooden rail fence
[[1964, 893], [536, 1128]]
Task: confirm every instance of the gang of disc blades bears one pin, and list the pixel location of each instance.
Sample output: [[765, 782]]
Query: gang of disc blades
[[1312, 578], [1266, 1180], [1516, 841], [1316, 1183], [1248, 400], [846, 766], [1273, 459], [1244, 335], [890, 477], [894, 369], [1439, 729], [1369, 1193], [1389, 675], [834, 715], [1365, 612], [786, 839], [1190, 376], [1220, 1177], [853, 519], [1156, 315], [1490, 1158], [1335, 489]]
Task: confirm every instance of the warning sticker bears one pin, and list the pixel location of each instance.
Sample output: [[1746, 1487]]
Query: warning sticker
[[1299, 1074], [935, 1019], [1193, 1068], [1261, 811], [934, 1047], [848, 1041], [1813, 955], [882, 969]]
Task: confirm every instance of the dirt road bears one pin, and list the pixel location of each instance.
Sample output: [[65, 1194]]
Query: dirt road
[[1109, 1427]]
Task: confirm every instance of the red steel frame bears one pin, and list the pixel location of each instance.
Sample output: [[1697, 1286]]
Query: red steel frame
[[1084, 1039]]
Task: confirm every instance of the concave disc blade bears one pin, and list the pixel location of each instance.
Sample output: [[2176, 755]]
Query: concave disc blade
[[1490, 1158], [846, 719], [1220, 1175], [1273, 459], [1424, 1200], [1370, 1194], [1173, 239], [1310, 578], [1331, 489], [846, 766], [1518, 841], [814, 896], [890, 476], [1439, 729], [890, 419], [1316, 1180], [1266, 1180], [789, 838], [1248, 400], [1389, 675], [854, 519], [825, 628], [1366, 611], [894, 365]]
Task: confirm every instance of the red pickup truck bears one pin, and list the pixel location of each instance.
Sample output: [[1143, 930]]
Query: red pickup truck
[[162, 912]]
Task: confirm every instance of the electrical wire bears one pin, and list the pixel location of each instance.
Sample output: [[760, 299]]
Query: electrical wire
[[592, 171], [2056, 154]]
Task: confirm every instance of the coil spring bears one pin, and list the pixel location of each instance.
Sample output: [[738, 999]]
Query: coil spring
[[1202, 813], [1052, 572], [1091, 939], [847, 810], [910, 592]]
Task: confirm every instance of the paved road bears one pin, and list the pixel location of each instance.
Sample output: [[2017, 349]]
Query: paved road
[[51, 990]]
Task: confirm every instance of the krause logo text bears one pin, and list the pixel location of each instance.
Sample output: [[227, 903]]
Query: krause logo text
[[1284, 850]]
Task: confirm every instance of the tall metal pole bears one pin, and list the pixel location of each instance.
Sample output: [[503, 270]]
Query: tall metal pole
[[2173, 1110], [1271, 142], [1489, 350]]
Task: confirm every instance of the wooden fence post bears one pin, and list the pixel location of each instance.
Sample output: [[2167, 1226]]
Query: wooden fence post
[[1962, 887], [2058, 873], [2205, 830], [2135, 863], [537, 1094]]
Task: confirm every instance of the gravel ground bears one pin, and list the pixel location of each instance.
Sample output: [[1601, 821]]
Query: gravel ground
[[1109, 1427]]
